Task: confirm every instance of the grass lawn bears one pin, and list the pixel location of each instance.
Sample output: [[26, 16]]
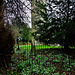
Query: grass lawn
[[44, 62], [28, 47], [38, 47]]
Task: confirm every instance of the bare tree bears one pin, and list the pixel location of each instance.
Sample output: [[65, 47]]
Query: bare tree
[[16, 9]]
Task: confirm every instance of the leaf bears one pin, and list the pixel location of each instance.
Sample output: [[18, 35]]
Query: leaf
[[73, 64], [57, 61]]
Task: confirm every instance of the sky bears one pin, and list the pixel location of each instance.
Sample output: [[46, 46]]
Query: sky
[[28, 11], [26, 15]]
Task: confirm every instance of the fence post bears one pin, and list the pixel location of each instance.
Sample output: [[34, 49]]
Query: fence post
[[18, 43], [32, 46]]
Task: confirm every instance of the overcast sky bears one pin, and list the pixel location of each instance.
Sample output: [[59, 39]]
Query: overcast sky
[[28, 11]]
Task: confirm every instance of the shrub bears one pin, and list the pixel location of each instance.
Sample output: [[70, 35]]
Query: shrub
[[6, 45]]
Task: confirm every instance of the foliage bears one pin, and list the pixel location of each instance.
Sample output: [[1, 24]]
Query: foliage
[[21, 30], [41, 64], [26, 34], [41, 23], [55, 23]]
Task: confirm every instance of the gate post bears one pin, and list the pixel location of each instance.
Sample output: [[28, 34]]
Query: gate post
[[33, 46], [18, 43]]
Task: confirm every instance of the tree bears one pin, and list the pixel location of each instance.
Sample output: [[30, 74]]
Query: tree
[[56, 23], [26, 34], [42, 24], [21, 31], [6, 41], [1, 12], [16, 9]]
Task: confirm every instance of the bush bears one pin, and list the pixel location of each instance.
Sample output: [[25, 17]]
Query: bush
[[6, 45]]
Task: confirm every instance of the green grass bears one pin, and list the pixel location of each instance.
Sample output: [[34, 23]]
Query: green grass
[[28, 47], [38, 47]]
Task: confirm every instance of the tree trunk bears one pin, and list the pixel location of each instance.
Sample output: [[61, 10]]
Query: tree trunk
[[18, 43], [66, 46], [32, 46], [1, 13]]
